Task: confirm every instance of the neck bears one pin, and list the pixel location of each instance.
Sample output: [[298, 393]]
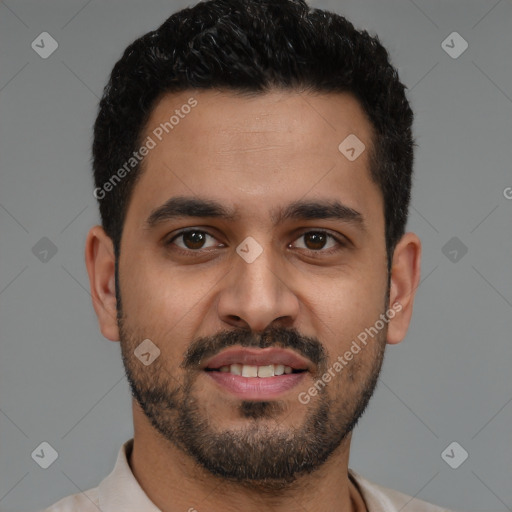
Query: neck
[[174, 482]]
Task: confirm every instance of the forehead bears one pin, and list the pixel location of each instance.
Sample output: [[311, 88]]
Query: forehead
[[225, 122], [258, 151]]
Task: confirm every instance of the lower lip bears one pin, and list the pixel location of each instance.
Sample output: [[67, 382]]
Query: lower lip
[[256, 388]]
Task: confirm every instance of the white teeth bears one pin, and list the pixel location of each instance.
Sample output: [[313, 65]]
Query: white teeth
[[266, 371], [247, 370], [236, 369]]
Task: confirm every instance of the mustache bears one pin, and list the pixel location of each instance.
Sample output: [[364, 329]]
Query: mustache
[[208, 346]]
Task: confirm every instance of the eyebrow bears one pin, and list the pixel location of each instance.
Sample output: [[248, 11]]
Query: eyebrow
[[182, 206]]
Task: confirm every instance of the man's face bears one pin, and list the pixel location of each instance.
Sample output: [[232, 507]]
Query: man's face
[[303, 284]]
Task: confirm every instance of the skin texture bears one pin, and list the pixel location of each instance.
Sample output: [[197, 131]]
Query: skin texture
[[254, 155]]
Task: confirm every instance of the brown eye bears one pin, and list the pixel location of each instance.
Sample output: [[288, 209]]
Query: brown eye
[[315, 240], [320, 241], [192, 239]]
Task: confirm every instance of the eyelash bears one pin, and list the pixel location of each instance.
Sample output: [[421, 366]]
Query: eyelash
[[192, 252]]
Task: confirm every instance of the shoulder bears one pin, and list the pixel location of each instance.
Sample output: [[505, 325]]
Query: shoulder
[[86, 501], [383, 499]]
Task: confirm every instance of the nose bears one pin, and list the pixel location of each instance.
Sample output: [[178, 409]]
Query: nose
[[258, 294]]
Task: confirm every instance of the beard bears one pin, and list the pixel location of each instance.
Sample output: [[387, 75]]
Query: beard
[[260, 452]]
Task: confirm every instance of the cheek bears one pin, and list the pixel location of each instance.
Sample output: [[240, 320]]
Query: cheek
[[153, 290], [350, 302], [165, 304], [344, 311]]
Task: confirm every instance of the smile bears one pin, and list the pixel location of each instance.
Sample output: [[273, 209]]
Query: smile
[[246, 370], [256, 374]]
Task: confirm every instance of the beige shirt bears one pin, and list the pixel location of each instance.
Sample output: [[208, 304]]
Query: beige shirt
[[120, 492]]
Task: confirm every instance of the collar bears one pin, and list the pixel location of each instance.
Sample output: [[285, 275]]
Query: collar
[[120, 490]]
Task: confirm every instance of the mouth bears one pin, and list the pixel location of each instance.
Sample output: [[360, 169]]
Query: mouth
[[256, 374], [248, 370]]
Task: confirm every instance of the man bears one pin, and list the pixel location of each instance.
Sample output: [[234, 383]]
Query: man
[[252, 163]]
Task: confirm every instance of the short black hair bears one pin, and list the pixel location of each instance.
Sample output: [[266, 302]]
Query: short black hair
[[254, 46]]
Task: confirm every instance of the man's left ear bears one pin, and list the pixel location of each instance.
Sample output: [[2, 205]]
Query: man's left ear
[[405, 277]]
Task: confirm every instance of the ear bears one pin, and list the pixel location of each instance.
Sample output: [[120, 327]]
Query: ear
[[405, 277], [100, 263]]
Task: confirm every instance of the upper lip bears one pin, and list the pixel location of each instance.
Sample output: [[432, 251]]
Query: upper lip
[[257, 357]]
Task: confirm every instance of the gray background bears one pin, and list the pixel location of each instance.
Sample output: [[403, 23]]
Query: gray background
[[63, 383]]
